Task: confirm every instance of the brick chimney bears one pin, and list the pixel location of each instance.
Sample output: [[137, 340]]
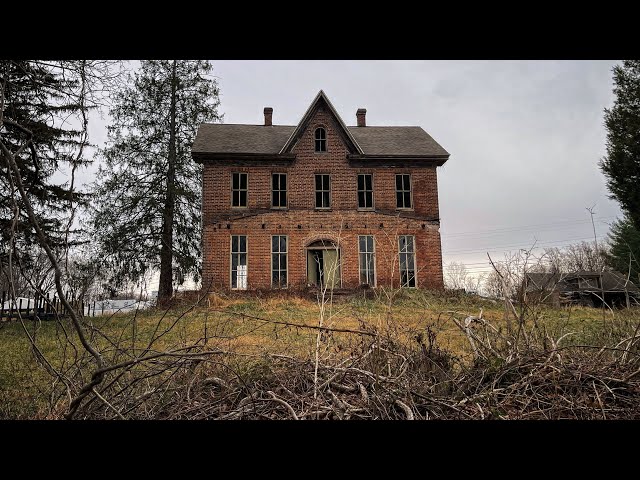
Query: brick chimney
[[268, 113], [361, 115]]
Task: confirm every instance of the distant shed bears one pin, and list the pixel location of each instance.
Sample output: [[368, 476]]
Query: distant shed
[[583, 288]]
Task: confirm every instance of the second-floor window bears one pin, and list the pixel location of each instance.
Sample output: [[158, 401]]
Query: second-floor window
[[321, 140], [365, 190], [403, 190], [279, 261], [323, 190], [239, 190], [279, 190]]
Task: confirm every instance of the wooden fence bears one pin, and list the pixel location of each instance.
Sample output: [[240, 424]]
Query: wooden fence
[[40, 308]]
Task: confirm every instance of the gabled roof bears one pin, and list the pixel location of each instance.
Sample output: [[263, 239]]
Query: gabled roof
[[219, 141], [302, 125], [237, 138]]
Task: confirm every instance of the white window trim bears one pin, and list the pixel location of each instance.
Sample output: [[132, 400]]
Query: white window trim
[[231, 254]]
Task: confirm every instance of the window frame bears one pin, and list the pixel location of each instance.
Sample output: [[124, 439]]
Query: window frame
[[323, 138], [316, 191], [404, 191], [373, 261], [231, 254], [413, 253], [240, 189], [286, 190], [372, 207], [286, 253]]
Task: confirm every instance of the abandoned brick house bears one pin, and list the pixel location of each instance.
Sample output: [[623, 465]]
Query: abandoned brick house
[[319, 203]]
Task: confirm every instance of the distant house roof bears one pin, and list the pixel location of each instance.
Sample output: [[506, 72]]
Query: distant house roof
[[216, 139], [578, 281]]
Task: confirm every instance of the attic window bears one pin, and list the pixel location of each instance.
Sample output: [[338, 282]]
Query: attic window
[[321, 140]]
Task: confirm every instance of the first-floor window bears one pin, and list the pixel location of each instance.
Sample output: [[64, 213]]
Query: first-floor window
[[239, 262], [407, 261], [367, 265], [279, 261]]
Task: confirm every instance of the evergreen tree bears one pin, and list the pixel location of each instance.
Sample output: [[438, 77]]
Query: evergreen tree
[[624, 254], [621, 166], [43, 127], [148, 194]]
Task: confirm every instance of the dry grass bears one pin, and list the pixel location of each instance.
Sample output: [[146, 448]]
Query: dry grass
[[245, 326]]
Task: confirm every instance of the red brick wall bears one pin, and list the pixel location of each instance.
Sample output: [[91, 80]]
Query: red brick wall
[[302, 224]]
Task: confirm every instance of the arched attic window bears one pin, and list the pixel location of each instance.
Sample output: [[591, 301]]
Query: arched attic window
[[321, 140]]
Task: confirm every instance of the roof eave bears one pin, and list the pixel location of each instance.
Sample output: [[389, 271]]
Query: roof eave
[[437, 160], [201, 157]]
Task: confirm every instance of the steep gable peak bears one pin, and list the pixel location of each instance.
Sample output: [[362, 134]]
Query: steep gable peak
[[321, 100]]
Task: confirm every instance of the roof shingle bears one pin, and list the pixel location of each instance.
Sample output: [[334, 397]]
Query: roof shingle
[[260, 139]]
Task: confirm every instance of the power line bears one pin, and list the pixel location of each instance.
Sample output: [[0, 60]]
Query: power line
[[547, 243], [525, 227]]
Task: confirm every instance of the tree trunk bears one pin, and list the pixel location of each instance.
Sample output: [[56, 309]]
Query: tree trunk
[[165, 288]]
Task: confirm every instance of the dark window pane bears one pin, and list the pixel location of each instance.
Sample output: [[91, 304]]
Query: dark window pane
[[368, 183], [283, 262], [361, 182], [368, 199], [243, 198], [236, 181], [234, 262], [243, 243], [361, 200], [318, 199], [326, 182], [274, 181], [407, 199], [283, 182], [370, 243], [274, 261], [275, 276], [318, 182], [234, 243], [283, 279], [363, 244], [399, 200], [409, 244], [283, 199], [398, 182], [274, 199], [274, 244], [325, 199], [243, 259], [243, 181], [234, 279], [283, 243], [235, 198]]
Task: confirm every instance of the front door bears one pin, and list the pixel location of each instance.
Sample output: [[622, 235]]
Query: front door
[[323, 267]]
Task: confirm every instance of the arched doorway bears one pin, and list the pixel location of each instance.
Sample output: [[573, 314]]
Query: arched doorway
[[323, 264]]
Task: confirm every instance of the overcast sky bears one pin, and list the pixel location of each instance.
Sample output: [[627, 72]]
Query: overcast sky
[[525, 137]]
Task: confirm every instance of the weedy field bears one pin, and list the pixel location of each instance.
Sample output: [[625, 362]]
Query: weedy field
[[409, 354]]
